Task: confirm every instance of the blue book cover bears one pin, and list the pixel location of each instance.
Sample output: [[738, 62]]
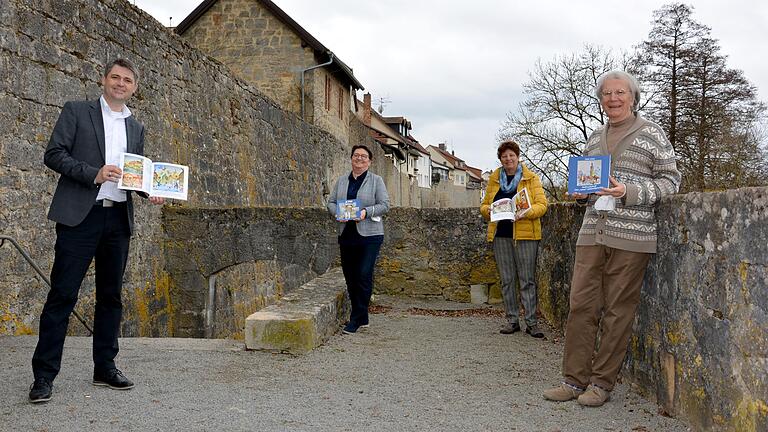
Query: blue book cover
[[348, 210], [588, 174]]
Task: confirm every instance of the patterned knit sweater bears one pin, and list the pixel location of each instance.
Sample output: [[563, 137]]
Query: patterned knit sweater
[[644, 161]]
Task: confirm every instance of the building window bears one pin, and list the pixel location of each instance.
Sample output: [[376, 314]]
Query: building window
[[327, 93], [341, 102]]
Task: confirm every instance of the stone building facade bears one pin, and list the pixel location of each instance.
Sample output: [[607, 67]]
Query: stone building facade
[[267, 48]]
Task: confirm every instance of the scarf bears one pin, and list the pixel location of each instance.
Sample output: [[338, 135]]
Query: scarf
[[506, 185]]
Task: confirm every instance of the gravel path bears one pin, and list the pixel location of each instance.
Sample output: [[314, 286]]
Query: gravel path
[[407, 372]]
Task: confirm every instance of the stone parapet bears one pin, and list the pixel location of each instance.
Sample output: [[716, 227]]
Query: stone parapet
[[434, 253], [224, 264], [301, 320]]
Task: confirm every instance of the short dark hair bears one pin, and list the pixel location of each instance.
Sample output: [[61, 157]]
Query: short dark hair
[[360, 146], [123, 63], [508, 145]]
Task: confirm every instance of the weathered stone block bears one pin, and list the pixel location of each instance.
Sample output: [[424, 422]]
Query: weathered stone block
[[8, 13], [290, 332], [301, 320]]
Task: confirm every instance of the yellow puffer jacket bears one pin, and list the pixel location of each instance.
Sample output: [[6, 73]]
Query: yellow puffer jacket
[[529, 226]]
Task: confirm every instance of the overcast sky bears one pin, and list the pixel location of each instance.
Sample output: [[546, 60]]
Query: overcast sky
[[455, 68]]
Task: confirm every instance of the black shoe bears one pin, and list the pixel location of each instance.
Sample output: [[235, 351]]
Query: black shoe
[[113, 379], [41, 390], [510, 328], [350, 329], [534, 331]]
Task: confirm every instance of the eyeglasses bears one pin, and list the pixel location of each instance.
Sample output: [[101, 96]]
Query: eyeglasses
[[619, 93], [360, 156]]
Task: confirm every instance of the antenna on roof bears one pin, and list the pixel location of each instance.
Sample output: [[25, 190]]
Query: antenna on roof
[[383, 101]]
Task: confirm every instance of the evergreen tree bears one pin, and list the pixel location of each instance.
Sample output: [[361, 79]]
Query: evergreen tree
[[710, 112]]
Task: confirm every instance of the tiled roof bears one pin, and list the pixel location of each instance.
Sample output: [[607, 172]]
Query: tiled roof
[[475, 172], [448, 156], [416, 144]]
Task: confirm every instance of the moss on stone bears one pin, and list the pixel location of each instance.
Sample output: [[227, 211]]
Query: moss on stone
[[751, 416], [294, 336]]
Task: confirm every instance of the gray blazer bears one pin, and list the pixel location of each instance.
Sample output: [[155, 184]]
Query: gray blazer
[[76, 151], [373, 197]]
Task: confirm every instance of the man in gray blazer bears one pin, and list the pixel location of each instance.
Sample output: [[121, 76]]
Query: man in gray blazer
[[94, 219]]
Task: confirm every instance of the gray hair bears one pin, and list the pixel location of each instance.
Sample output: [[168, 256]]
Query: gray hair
[[634, 86], [123, 63]]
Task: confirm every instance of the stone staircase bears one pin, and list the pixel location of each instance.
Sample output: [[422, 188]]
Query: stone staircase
[[303, 319]]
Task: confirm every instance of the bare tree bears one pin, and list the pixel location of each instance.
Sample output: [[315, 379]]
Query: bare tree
[[560, 112], [710, 112]]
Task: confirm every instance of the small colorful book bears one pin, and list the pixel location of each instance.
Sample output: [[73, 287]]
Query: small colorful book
[[348, 210], [588, 174]]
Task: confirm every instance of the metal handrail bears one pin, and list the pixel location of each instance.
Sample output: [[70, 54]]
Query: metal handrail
[[40, 273]]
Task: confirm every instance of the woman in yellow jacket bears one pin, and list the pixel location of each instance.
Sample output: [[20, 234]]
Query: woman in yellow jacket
[[516, 244]]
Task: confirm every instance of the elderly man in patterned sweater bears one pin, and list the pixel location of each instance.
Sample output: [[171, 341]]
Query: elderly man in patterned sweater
[[616, 241]]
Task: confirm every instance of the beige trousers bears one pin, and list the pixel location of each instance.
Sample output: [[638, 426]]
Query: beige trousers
[[605, 292]]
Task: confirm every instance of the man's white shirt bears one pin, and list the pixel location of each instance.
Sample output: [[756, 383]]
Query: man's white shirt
[[115, 143]]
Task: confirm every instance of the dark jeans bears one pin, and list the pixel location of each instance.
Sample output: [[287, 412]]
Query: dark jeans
[[357, 262], [104, 235]]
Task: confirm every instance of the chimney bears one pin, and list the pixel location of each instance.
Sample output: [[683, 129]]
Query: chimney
[[367, 109], [442, 146]]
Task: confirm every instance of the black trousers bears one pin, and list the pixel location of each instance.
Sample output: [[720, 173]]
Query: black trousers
[[357, 263], [105, 236]]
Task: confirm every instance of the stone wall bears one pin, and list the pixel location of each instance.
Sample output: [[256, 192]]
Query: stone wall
[[701, 342], [223, 265], [435, 253], [242, 149]]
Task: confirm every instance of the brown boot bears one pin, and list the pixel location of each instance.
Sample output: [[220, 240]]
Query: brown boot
[[562, 393], [510, 328], [594, 397]]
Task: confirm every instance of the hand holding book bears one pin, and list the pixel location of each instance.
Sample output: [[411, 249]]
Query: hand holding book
[[349, 210], [156, 179], [616, 189], [511, 208]]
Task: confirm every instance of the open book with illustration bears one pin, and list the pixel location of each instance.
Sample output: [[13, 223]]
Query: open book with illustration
[[348, 210], [511, 208], [588, 174], [158, 179]]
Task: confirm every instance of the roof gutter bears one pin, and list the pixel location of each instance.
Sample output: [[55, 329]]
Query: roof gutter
[[302, 80]]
